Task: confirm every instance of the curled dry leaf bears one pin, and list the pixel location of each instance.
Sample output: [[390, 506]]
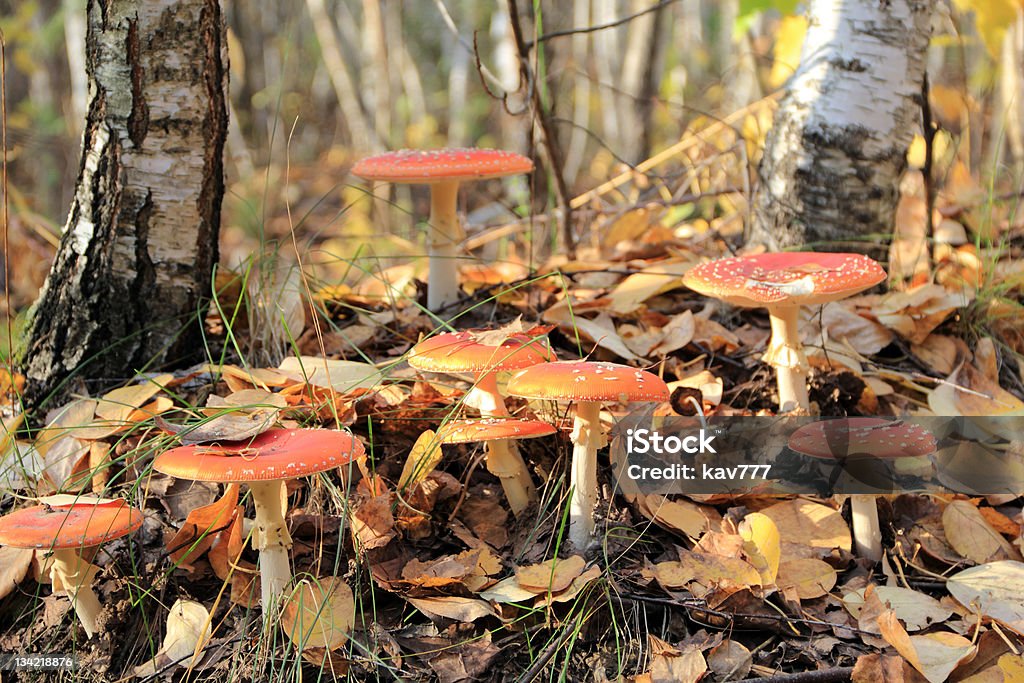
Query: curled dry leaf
[[201, 527], [422, 459], [343, 376], [697, 571], [730, 660], [229, 426], [660, 277], [319, 613], [188, 631], [671, 665], [913, 314], [934, 655]]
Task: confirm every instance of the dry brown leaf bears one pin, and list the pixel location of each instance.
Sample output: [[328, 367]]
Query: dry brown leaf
[[934, 655], [699, 571], [197, 533], [971, 536], [343, 376], [730, 660], [225, 551], [913, 314], [884, 669], [319, 613], [14, 566], [453, 607], [670, 665], [681, 516], [803, 523], [915, 609], [373, 525], [809, 577], [552, 576], [938, 352], [228, 426], [994, 589], [662, 276], [119, 404]]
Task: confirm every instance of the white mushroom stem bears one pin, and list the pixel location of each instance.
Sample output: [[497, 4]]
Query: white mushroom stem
[[502, 456], [786, 354], [443, 238], [271, 538], [587, 437], [73, 575], [867, 534]]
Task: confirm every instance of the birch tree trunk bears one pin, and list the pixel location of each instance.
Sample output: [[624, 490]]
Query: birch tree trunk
[[834, 156], [137, 252]]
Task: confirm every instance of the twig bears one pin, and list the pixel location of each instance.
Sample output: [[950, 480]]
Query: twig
[[929, 151], [547, 131], [600, 27], [833, 675], [545, 656]]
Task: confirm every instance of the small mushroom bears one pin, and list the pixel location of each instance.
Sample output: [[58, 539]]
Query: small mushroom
[[863, 437], [456, 352], [443, 170], [782, 283], [65, 530], [265, 463], [590, 384]]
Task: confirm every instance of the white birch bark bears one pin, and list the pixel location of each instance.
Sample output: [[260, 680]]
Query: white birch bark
[[834, 156], [138, 249]]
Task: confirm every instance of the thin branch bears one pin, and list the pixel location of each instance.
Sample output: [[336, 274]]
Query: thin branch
[[449, 23], [600, 27]]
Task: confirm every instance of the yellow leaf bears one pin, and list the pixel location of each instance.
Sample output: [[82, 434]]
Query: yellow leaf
[[761, 545], [934, 655], [809, 577], [653, 280], [788, 43], [554, 575], [119, 404], [971, 536], [1012, 667], [992, 18], [423, 458]]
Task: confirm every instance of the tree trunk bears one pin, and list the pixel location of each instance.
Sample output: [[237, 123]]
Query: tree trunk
[[137, 253], [834, 156]]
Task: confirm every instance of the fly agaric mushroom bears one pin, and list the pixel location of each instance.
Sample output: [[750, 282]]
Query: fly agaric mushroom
[[443, 170], [863, 437], [265, 463], [455, 352], [590, 384], [64, 530], [782, 283], [491, 429]]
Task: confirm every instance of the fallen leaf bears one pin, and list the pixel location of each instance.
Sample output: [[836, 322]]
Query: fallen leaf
[[319, 613], [913, 314], [917, 610], [14, 566], [343, 376], [197, 533], [884, 669], [761, 545], [809, 577], [994, 589], [188, 630], [812, 525], [553, 576], [730, 660], [970, 535], [670, 665], [227, 426], [421, 461], [118, 405], [659, 277], [934, 655], [453, 607]]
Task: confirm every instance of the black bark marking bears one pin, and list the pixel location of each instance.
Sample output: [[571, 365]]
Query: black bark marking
[[138, 119]]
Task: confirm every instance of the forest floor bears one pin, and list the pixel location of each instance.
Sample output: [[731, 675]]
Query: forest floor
[[438, 566]]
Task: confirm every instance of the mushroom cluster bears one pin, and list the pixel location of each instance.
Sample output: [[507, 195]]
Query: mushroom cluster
[[782, 283], [442, 170]]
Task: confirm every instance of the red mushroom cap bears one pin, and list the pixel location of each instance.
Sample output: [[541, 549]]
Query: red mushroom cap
[[491, 429], [785, 278], [863, 436], [460, 352], [77, 525], [583, 380], [274, 454], [431, 166]]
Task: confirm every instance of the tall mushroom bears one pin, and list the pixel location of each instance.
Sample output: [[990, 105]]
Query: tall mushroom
[[863, 437], [455, 352], [782, 283], [265, 463], [443, 170], [590, 384], [65, 530]]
